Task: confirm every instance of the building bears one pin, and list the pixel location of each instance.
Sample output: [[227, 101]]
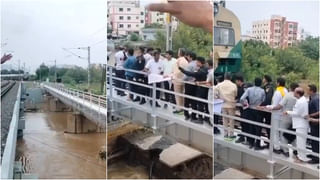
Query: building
[[125, 17], [153, 17], [277, 31], [150, 33]]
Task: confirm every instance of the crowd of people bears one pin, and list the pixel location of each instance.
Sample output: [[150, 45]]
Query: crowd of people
[[264, 103], [185, 73]]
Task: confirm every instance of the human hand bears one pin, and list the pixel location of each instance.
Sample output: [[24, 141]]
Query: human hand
[[201, 16], [5, 58]]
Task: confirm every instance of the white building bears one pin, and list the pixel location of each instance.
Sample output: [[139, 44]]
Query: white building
[[125, 17]]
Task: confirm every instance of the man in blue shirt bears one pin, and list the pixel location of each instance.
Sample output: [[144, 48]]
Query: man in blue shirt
[[129, 64]]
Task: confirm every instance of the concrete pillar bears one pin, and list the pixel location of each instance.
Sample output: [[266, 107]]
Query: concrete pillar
[[77, 123], [56, 105]]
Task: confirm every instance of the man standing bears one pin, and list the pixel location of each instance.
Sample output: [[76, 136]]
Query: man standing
[[155, 66], [299, 111], [314, 124], [227, 91], [190, 89], [268, 88], [252, 98], [178, 85], [244, 127], [169, 63], [129, 64], [139, 66], [286, 104], [201, 92], [120, 73], [276, 115]]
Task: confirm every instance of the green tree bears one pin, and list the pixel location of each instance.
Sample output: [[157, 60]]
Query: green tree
[[310, 47], [42, 72], [194, 39]]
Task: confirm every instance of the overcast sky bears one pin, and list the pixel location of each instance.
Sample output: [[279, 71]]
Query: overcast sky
[[37, 30], [305, 12]]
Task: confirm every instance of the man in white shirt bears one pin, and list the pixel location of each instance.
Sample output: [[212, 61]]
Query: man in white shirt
[[155, 66], [276, 116], [168, 65], [286, 104], [120, 57], [147, 56], [300, 110]]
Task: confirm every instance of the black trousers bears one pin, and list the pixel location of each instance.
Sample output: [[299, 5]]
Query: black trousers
[[157, 92], [267, 117], [131, 86], [314, 127], [245, 127], [139, 89], [120, 84], [190, 90], [255, 116], [167, 96], [202, 106]]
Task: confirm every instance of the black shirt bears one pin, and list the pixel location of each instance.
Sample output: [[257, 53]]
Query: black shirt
[[314, 104], [139, 66], [268, 89]]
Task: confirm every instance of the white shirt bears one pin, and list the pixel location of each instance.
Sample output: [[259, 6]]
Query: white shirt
[[155, 67], [299, 111], [168, 66], [147, 57], [277, 98], [119, 56]]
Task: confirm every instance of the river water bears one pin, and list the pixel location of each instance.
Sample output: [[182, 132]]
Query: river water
[[48, 152]]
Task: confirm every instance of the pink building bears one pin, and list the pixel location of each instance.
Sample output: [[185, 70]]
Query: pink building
[[277, 31]]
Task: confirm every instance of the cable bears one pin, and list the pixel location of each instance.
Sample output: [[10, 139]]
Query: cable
[[73, 53], [104, 40]]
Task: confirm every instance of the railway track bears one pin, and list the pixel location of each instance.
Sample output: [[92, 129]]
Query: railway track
[[6, 86]]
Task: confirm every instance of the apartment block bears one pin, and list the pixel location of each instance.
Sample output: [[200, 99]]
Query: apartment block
[[125, 17], [276, 31]]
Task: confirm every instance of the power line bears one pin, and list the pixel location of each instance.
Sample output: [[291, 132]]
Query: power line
[[65, 49], [99, 42]]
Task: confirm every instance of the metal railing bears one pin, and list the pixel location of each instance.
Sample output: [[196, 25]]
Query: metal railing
[[85, 96], [8, 157], [274, 128], [111, 77]]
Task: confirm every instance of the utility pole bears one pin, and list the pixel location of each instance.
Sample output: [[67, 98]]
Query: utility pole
[[55, 71], [169, 32], [19, 69], [89, 69]]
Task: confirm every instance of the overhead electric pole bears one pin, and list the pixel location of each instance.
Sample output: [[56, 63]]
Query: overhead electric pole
[[169, 32]]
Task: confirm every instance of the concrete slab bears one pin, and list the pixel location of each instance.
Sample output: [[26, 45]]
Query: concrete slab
[[231, 173], [177, 154]]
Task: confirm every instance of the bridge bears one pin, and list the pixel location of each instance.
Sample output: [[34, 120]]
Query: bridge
[[264, 162], [92, 107], [162, 120]]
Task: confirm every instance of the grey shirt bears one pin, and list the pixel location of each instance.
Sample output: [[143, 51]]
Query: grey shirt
[[255, 94], [192, 67]]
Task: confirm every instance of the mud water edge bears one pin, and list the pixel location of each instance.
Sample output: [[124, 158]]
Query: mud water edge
[[47, 151]]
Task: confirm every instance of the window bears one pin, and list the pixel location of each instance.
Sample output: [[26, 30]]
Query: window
[[224, 36], [161, 13], [121, 17], [129, 25], [137, 17], [141, 13], [157, 14], [128, 9], [161, 19], [120, 9], [128, 17], [137, 25], [141, 21], [120, 25]]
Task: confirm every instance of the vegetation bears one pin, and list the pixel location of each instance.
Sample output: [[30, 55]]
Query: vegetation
[[74, 77], [194, 39], [296, 64]]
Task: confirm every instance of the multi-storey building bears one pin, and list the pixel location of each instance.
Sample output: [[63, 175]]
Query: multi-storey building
[[277, 31], [125, 17]]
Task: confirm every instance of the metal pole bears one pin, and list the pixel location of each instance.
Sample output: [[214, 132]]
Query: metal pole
[[55, 71], [169, 33], [270, 160], [154, 100], [88, 68]]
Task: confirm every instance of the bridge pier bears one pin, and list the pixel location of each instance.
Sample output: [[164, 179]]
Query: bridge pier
[[77, 123], [55, 105]]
